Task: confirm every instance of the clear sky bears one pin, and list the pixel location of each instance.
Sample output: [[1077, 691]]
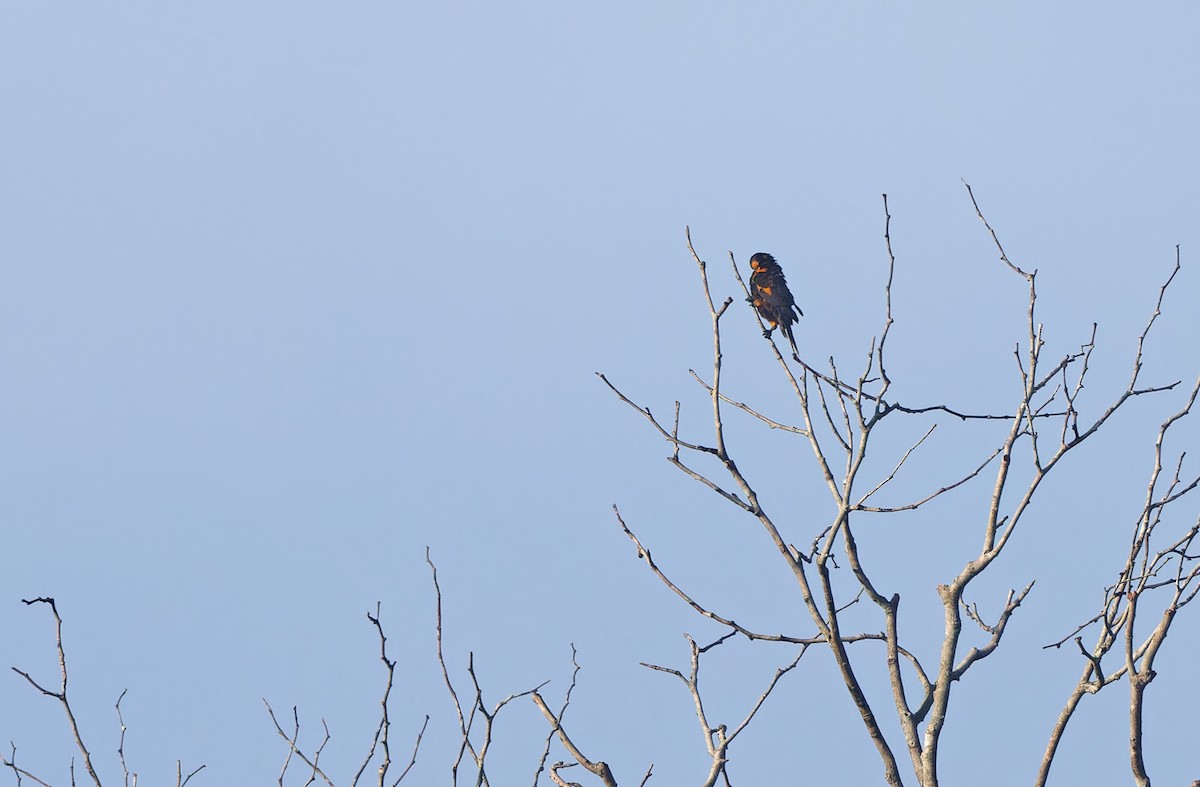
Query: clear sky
[[291, 291]]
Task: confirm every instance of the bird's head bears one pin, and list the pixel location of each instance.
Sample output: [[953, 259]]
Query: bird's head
[[761, 261]]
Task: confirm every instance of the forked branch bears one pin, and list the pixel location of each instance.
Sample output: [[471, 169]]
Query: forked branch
[[61, 694], [718, 738]]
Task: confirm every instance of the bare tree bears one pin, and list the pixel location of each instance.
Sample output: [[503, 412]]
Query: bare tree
[[843, 419]]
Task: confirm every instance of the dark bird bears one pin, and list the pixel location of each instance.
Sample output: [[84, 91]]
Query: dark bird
[[770, 295]]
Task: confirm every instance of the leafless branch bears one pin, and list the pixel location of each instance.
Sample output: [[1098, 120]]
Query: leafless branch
[[61, 694], [180, 779], [997, 631], [599, 768], [887, 290], [896, 469], [644, 553], [489, 717], [464, 721], [294, 749], [478, 707], [561, 713], [996, 240], [416, 746], [645, 411], [380, 741], [10, 762], [748, 409], [121, 742], [717, 738], [936, 493]]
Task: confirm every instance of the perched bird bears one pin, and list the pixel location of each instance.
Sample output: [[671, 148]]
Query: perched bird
[[770, 295]]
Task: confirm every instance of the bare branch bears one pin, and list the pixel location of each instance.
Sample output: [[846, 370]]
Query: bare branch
[[779, 673], [599, 768], [561, 713], [121, 742], [896, 469], [464, 721], [645, 411], [887, 291], [996, 240], [416, 746], [180, 779], [294, 749], [11, 762], [61, 694], [717, 739], [936, 493], [380, 741], [644, 553], [748, 409], [997, 632]]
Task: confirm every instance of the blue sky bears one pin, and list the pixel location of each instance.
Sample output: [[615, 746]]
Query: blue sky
[[292, 291]]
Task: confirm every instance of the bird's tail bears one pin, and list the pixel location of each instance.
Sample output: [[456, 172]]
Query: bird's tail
[[787, 331]]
